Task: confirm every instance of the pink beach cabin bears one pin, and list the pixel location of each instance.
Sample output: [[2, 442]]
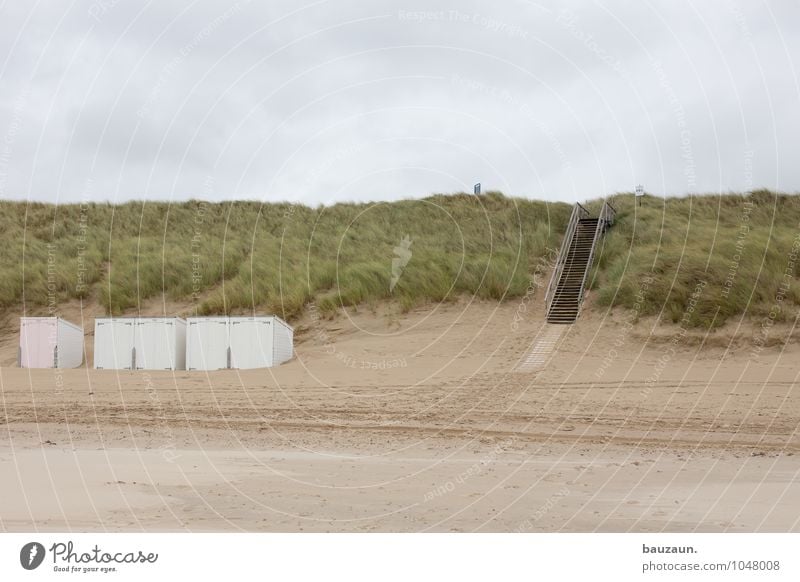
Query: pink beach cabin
[[49, 342]]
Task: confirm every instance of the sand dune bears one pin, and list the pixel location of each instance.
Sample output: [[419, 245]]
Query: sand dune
[[438, 420]]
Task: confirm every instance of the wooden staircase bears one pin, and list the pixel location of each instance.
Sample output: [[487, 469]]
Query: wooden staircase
[[565, 293], [567, 296]]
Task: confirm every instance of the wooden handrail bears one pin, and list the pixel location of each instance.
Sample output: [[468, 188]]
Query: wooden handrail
[[604, 221], [578, 212], [611, 212]]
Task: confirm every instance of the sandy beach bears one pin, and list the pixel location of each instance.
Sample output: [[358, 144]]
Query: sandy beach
[[469, 416]]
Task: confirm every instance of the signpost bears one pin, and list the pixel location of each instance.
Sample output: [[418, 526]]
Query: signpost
[[476, 189], [639, 193]]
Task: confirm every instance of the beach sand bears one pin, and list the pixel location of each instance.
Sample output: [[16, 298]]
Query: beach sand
[[441, 419]]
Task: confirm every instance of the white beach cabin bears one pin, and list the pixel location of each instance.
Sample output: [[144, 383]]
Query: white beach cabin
[[218, 343], [140, 343], [49, 342]]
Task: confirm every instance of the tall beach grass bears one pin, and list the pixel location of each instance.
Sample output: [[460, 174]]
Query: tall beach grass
[[246, 256], [698, 260]]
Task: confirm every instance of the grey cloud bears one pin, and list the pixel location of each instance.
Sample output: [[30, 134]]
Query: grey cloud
[[348, 100]]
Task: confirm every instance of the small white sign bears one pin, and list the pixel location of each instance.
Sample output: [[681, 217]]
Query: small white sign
[[640, 190]]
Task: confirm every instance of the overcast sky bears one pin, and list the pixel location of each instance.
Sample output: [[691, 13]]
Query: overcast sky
[[342, 100]]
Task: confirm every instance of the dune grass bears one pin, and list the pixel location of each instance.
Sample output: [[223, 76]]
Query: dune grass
[[697, 261], [278, 258], [700, 261]]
